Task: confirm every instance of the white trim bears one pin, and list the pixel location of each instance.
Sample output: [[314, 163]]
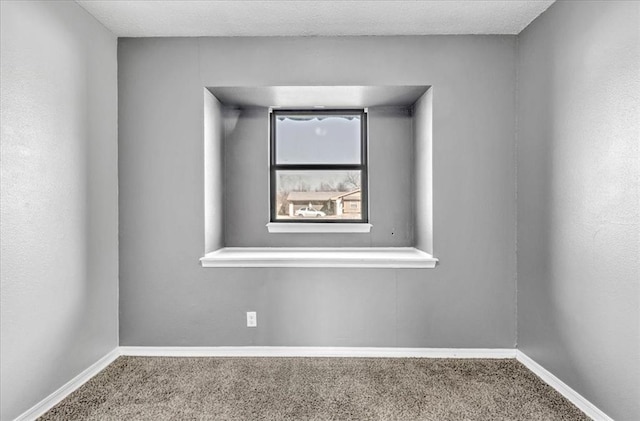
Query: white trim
[[322, 228], [574, 397], [303, 351], [335, 257], [53, 399], [287, 351]]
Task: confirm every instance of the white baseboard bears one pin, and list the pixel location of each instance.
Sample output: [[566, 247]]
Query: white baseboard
[[300, 351], [53, 399], [289, 351], [574, 397]]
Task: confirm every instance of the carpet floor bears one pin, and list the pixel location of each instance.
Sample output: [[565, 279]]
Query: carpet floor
[[154, 388]]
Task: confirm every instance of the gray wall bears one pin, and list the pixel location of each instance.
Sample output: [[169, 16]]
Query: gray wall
[[59, 233], [423, 168], [578, 202], [390, 148], [214, 173], [166, 298]]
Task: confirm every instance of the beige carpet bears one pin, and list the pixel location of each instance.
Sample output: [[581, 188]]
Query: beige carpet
[[146, 388]]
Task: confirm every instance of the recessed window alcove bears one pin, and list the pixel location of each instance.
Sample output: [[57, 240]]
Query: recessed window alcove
[[238, 232]]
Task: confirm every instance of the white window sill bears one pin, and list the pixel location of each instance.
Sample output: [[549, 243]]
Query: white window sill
[[311, 257], [317, 227]]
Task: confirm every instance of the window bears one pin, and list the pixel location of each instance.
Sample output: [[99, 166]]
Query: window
[[318, 166]]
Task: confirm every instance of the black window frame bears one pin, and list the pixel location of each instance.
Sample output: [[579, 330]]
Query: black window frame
[[363, 167]]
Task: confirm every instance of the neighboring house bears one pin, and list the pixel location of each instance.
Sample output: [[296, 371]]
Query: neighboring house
[[348, 202], [331, 202]]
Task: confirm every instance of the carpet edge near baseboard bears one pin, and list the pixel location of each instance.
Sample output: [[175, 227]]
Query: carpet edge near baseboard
[[336, 352]]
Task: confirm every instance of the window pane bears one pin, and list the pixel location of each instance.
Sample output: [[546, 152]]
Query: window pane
[[318, 195], [318, 139]]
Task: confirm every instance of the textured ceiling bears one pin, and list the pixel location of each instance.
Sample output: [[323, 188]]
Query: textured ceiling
[[150, 18]]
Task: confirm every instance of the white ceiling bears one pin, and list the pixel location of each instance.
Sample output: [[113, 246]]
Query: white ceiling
[[153, 18], [327, 96]]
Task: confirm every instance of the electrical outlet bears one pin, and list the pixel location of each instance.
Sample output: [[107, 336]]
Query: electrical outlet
[[252, 319]]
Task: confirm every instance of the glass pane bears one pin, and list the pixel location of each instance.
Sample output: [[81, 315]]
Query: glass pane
[[318, 195], [318, 139]]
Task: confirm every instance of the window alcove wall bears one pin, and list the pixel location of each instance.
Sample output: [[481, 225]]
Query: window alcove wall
[[237, 170]]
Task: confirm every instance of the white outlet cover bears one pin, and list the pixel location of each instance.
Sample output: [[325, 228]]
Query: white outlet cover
[[252, 319]]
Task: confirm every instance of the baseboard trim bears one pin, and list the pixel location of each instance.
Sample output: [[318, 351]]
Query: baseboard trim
[[561, 387], [292, 351], [53, 399], [295, 351]]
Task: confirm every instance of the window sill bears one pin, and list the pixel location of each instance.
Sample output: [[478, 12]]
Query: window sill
[[317, 227], [313, 257]]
